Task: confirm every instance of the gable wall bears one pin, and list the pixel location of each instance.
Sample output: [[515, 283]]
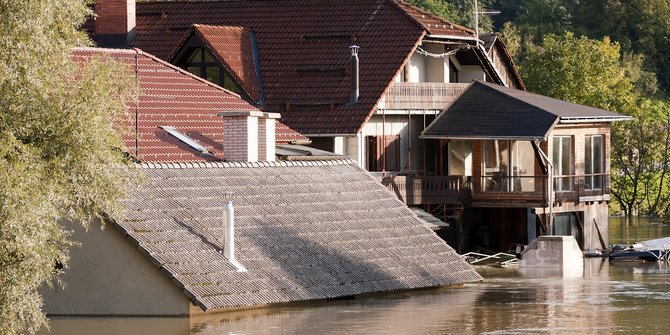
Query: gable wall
[[108, 276]]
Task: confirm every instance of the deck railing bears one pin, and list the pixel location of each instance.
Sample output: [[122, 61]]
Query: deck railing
[[458, 190], [423, 95], [417, 190]]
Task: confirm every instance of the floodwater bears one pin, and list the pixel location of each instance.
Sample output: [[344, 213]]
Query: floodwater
[[609, 298]]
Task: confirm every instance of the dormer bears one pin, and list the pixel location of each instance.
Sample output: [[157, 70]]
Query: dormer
[[224, 55]]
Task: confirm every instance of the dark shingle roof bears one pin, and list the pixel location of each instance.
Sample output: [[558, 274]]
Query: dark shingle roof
[[304, 230], [303, 51], [170, 96], [490, 111]]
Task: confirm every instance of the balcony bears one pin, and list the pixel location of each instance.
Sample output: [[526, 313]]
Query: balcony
[[435, 96], [422, 190], [495, 191]]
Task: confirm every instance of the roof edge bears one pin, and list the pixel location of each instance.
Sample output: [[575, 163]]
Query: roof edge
[[228, 165], [397, 5]]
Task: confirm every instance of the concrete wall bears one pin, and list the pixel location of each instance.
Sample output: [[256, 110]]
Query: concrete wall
[[109, 276], [559, 254], [416, 69]]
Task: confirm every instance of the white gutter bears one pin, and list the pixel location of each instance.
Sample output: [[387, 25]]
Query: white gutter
[[592, 119], [229, 247]]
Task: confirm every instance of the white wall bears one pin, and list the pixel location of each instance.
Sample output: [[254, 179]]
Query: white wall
[[416, 69], [470, 73], [435, 67], [400, 125], [109, 276]]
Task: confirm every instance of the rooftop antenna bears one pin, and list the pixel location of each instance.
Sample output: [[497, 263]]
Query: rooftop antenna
[[477, 12]]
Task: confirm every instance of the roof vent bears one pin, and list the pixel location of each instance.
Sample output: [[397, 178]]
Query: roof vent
[[354, 74], [229, 246]]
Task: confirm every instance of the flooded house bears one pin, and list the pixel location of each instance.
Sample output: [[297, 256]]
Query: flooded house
[[523, 165], [367, 79], [216, 223]]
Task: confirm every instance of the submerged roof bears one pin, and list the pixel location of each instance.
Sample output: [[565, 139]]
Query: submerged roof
[[304, 230], [303, 49], [489, 111], [172, 97]]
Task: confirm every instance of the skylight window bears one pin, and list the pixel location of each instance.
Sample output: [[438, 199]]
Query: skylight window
[[189, 141]]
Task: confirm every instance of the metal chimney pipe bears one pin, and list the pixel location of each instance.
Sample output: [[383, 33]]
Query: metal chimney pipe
[[355, 75], [229, 246]]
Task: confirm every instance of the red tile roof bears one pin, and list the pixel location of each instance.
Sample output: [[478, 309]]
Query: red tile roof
[[303, 50], [172, 97], [286, 135], [232, 46]]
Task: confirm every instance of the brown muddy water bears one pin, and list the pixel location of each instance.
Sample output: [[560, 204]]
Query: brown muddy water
[[610, 298]]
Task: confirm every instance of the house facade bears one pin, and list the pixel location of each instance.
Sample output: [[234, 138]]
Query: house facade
[[521, 165], [367, 81]]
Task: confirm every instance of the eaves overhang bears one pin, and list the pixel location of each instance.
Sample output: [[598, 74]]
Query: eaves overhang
[[594, 119]]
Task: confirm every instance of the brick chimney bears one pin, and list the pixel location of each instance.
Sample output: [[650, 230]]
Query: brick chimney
[[248, 136], [114, 23], [266, 137]]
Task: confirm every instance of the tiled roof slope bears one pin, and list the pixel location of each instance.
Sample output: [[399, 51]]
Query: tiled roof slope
[[232, 47], [170, 96], [285, 135], [304, 230], [435, 25], [489, 111], [303, 52]]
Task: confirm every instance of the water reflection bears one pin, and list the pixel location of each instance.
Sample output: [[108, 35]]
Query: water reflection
[[609, 298]]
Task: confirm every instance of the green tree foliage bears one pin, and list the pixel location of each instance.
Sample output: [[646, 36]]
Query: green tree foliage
[[59, 154], [580, 70]]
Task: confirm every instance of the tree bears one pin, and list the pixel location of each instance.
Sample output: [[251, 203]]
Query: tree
[[60, 156], [580, 70]]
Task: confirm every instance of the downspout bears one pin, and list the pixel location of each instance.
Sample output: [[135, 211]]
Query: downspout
[[550, 182], [229, 247]]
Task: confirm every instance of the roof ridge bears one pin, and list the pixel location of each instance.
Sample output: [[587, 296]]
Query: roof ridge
[[219, 165]]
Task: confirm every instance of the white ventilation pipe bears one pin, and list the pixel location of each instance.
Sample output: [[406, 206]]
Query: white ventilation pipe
[[229, 241]]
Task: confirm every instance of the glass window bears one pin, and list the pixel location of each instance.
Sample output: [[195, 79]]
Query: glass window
[[594, 162], [500, 175], [523, 167], [460, 158], [202, 63], [563, 163], [453, 73]]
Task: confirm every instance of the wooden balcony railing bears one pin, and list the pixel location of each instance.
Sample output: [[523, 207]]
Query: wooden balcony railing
[[423, 95], [496, 191], [417, 190]]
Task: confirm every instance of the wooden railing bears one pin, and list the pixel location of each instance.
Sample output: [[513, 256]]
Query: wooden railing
[[423, 95], [417, 190]]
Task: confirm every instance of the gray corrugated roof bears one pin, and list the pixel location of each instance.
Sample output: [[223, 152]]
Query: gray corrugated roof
[[489, 111], [304, 230]]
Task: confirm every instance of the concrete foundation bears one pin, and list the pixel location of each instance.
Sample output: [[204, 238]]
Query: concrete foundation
[[553, 255]]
